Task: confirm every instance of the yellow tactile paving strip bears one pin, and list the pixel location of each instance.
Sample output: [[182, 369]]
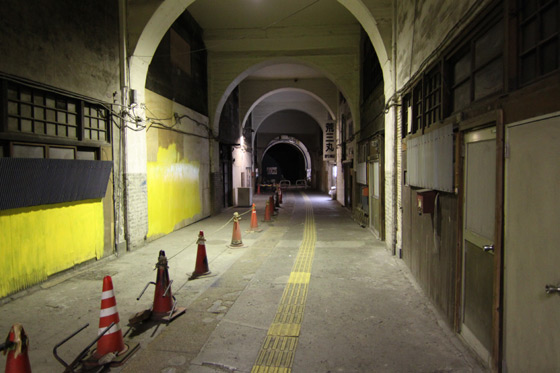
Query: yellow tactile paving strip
[[278, 349]]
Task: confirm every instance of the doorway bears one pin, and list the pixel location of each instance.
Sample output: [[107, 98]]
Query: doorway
[[375, 207], [348, 184], [478, 240], [531, 253]]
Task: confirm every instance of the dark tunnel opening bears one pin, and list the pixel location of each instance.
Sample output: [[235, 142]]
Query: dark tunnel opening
[[283, 162]]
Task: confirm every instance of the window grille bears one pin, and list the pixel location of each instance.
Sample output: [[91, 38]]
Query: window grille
[[539, 49]]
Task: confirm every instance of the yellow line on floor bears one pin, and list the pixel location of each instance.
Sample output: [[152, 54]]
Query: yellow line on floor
[[278, 350]]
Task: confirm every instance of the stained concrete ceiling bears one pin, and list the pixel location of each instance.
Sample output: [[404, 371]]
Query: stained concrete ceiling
[[228, 19], [263, 14], [214, 15]]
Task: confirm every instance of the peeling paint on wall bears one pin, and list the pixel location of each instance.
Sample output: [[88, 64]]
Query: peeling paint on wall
[[173, 191], [36, 242]]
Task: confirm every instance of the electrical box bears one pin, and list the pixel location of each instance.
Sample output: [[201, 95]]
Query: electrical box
[[244, 197], [425, 201]]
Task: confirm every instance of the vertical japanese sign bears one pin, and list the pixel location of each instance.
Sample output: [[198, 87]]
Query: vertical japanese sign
[[329, 142]]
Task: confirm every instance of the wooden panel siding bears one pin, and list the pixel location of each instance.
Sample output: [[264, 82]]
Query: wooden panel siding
[[429, 249]]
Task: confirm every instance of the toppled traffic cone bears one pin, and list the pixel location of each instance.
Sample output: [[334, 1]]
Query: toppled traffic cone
[[267, 211], [17, 344], [254, 222], [236, 234], [201, 266], [111, 348]]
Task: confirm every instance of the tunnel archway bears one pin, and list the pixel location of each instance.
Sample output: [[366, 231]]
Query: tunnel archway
[[283, 161]]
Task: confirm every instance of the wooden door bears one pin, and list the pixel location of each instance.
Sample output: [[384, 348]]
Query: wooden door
[[478, 240]]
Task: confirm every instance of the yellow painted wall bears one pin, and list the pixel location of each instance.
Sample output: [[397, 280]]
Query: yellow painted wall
[[173, 190], [36, 242]]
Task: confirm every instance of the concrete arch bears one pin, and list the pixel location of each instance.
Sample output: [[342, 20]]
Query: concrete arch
[[167, 12], [363, 14], [294, 142], [254, 67], [303, 107], [320, 124]]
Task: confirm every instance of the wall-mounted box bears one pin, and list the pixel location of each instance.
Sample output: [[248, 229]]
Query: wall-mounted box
[[425, 201], [244, 197]]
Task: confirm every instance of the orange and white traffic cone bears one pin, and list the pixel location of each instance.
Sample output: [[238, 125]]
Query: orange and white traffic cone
[[236, 234], [201, 266], [112, 341], [110, 349], [267, 211], [17, 344]]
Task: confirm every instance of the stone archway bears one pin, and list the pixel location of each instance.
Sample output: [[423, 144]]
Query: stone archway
[[147, 32], [294, 142]]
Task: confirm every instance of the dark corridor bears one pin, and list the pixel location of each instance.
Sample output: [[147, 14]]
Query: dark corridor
[[283, 162]]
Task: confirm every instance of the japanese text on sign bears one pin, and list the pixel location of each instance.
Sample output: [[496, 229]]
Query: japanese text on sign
[[329, 142]]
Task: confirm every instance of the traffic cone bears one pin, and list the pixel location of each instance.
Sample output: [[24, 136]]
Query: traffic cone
[[201, 266], [258, 188], [112, 341], [271, 206], [254, 222], [236, 234], [267, 211], [110, 349], [280, 195], [17, 344], [277, 198], [164, 307]]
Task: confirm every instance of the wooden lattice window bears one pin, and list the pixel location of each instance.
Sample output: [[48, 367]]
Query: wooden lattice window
[[539, 51]]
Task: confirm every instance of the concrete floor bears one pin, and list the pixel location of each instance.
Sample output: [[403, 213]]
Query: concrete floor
[[363, 310]]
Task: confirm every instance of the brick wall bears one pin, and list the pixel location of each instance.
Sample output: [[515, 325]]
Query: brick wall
[[136, 207]]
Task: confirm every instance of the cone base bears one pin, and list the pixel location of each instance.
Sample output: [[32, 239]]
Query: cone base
[[139, 317], [91, 361], [236, 244], [158, 316], [196, 275]]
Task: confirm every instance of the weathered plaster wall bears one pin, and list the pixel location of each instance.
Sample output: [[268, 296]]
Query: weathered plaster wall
[[423, 26], [40, 241], [72, 45], [178, 178]]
